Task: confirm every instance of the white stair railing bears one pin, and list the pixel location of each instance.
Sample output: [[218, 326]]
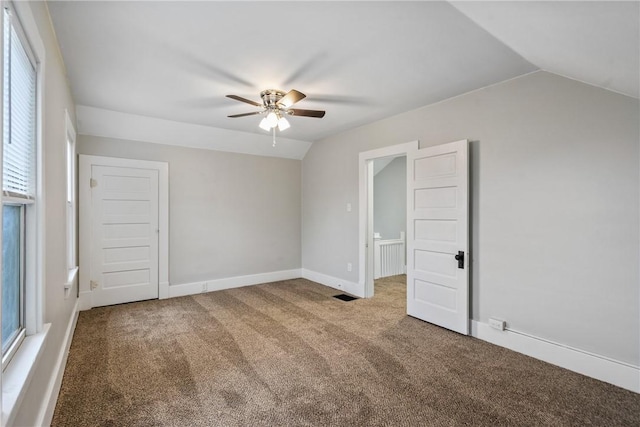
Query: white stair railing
[[389, 257]]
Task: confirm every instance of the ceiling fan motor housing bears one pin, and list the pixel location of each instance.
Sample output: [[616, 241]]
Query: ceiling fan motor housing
[[277, 103], [270, 97]]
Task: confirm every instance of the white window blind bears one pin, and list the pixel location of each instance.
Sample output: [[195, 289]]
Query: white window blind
[[18, 171]]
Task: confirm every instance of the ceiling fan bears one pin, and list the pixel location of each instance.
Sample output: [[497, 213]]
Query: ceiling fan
[[276, 104]]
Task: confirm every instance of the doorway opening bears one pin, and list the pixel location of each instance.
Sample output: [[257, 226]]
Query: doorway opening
[[389, 217], [367, 224]]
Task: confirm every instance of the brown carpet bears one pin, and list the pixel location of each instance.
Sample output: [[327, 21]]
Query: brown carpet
[[288, 354]]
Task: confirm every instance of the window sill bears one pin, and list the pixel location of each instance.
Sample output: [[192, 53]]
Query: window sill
[[17, 376], [72, 278]]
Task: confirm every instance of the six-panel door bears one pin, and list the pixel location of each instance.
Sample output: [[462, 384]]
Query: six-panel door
[[124, 241], [437, 230]]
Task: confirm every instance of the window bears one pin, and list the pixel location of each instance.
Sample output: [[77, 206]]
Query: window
[[72, 266], [18, 182]]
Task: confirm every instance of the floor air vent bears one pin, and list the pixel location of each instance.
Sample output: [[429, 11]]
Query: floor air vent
[[344, 297]]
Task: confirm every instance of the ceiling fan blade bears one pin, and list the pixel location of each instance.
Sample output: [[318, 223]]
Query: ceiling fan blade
[[290, 98], [245, 114], [241, 99], [307, 113]]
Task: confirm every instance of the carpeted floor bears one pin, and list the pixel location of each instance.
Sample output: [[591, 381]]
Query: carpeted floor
[[288, 354]]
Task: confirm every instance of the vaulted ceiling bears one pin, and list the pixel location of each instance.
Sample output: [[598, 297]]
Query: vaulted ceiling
[[359, 61]]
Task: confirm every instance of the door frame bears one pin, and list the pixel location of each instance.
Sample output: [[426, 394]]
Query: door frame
[[85, 163], [365, 221]]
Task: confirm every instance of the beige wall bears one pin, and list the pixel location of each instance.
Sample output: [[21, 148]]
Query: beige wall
[[229, 214], [58, 310], [554, 189]]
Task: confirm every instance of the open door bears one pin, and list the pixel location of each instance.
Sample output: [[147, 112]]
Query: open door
[[438, 235]]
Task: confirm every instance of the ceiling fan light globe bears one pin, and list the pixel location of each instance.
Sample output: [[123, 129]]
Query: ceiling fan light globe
[[264, 124], [272, 119], [283, 124]]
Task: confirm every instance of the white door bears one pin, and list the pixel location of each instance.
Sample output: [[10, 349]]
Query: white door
[[124, 234], [438, 235]]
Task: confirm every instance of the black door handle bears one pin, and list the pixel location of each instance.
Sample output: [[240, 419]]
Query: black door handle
[[460, 259]]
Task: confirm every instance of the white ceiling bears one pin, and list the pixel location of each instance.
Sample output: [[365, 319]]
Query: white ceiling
[[359, 61], [596, 42]]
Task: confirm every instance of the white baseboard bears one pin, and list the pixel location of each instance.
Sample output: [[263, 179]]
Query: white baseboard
[[592, 365], [231, 282], [333, 282], [53, 388]]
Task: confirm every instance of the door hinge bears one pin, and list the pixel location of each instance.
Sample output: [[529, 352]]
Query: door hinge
[[93, 284], [93, 182]]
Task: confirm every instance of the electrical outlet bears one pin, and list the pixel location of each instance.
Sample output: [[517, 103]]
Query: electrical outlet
[[348, 207], [349, 266], [497, 324]]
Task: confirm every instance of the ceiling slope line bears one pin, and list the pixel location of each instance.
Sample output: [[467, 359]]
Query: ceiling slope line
[[113, 124], [617, 92]]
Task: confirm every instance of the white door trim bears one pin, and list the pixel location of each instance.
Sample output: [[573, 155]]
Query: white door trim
[[365, 223], [84, 195]]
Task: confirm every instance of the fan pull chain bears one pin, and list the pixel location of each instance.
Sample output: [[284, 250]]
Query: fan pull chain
[[274, 137]]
